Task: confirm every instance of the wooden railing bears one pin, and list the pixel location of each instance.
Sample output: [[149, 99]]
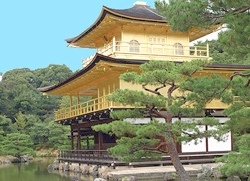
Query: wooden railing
[[102, 103], [106, 50], [149, 49], [83, 155], [93, 105]]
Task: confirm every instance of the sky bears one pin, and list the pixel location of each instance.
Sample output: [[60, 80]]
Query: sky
[[33, 32]]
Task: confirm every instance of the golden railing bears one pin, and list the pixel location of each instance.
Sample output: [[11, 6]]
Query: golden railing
[[93, 105], [102, 103], [149, 49]]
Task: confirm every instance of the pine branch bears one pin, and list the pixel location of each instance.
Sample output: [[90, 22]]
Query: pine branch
[[152, 91], [242, 75], [164, 85], [193, 72], [237, 11], [172, 89]]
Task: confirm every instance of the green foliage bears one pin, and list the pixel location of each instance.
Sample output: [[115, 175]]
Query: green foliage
[[239, 111], [162, 80], [20, 123], [25, 110], [39, 133], [5, 125], [237, 163], [18, 90], [233, 45], [57, 136], [16, 144]]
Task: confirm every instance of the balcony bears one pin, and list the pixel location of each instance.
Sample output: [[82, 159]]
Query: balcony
[[91, 106], [148, 51], [101, 103], [84, 108]]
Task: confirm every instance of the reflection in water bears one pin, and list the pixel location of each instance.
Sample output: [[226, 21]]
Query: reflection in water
[[36, 171]]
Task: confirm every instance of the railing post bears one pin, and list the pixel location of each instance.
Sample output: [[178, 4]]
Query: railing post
[[207, 50], [195, 51], [114, 44]]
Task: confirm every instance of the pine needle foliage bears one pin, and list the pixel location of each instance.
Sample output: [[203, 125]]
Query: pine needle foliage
[[169, 90]]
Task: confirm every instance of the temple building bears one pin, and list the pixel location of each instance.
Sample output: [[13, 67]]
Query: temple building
[[124, 40]]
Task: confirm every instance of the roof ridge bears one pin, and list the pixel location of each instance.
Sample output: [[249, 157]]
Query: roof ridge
[[153, 12]]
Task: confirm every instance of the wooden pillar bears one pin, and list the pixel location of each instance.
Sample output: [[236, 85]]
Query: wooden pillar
[[87, 142], [72, 139], [71, 101], [71, 104], [206, 140], [104, 97], [78, 106], [78, 99], [79, 139], [100, 140]]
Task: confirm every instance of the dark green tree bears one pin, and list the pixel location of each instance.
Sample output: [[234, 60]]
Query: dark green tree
[[18, 90], [25, 109], [16, 144], [39, 133], [57, 136], [183, 15], [239, 111], [170, 90], [5, 125], [237, 163]]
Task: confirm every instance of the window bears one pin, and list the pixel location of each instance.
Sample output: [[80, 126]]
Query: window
[[178, 49], [134, 46], [154, 40], [117, 46]]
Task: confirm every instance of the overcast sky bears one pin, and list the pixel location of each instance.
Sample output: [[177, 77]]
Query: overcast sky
[[33, 32]]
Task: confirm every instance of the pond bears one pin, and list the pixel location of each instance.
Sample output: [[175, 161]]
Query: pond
[[35, 171]]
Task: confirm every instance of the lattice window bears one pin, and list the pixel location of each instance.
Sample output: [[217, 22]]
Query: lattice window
[[154, 40], [178, 49], [134, 46]]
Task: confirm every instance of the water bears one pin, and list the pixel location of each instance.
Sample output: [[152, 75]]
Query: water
[[35, 171]]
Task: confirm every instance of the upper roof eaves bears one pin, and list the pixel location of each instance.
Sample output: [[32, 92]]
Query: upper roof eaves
[[99, 57], [137, 12]]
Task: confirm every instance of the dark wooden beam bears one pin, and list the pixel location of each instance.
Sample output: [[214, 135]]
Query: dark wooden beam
[[88, 125]]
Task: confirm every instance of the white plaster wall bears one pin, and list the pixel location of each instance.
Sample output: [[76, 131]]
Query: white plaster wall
[[192, 147], [214, 145]]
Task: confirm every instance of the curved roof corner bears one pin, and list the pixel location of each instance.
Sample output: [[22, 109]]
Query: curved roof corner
[[137, 12]]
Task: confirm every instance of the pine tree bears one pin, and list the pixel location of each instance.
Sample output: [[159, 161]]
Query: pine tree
[[178, 92], [16, 144], [183, 15]]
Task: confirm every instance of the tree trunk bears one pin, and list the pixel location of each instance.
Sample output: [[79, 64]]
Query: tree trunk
[[181, 172], [172, 150], [171, 147]]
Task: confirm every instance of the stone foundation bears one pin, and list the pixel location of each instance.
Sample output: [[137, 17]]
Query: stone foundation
[[84, 169]]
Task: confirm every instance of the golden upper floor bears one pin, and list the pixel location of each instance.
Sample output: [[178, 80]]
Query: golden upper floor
[[101, 77], [139, 33]]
